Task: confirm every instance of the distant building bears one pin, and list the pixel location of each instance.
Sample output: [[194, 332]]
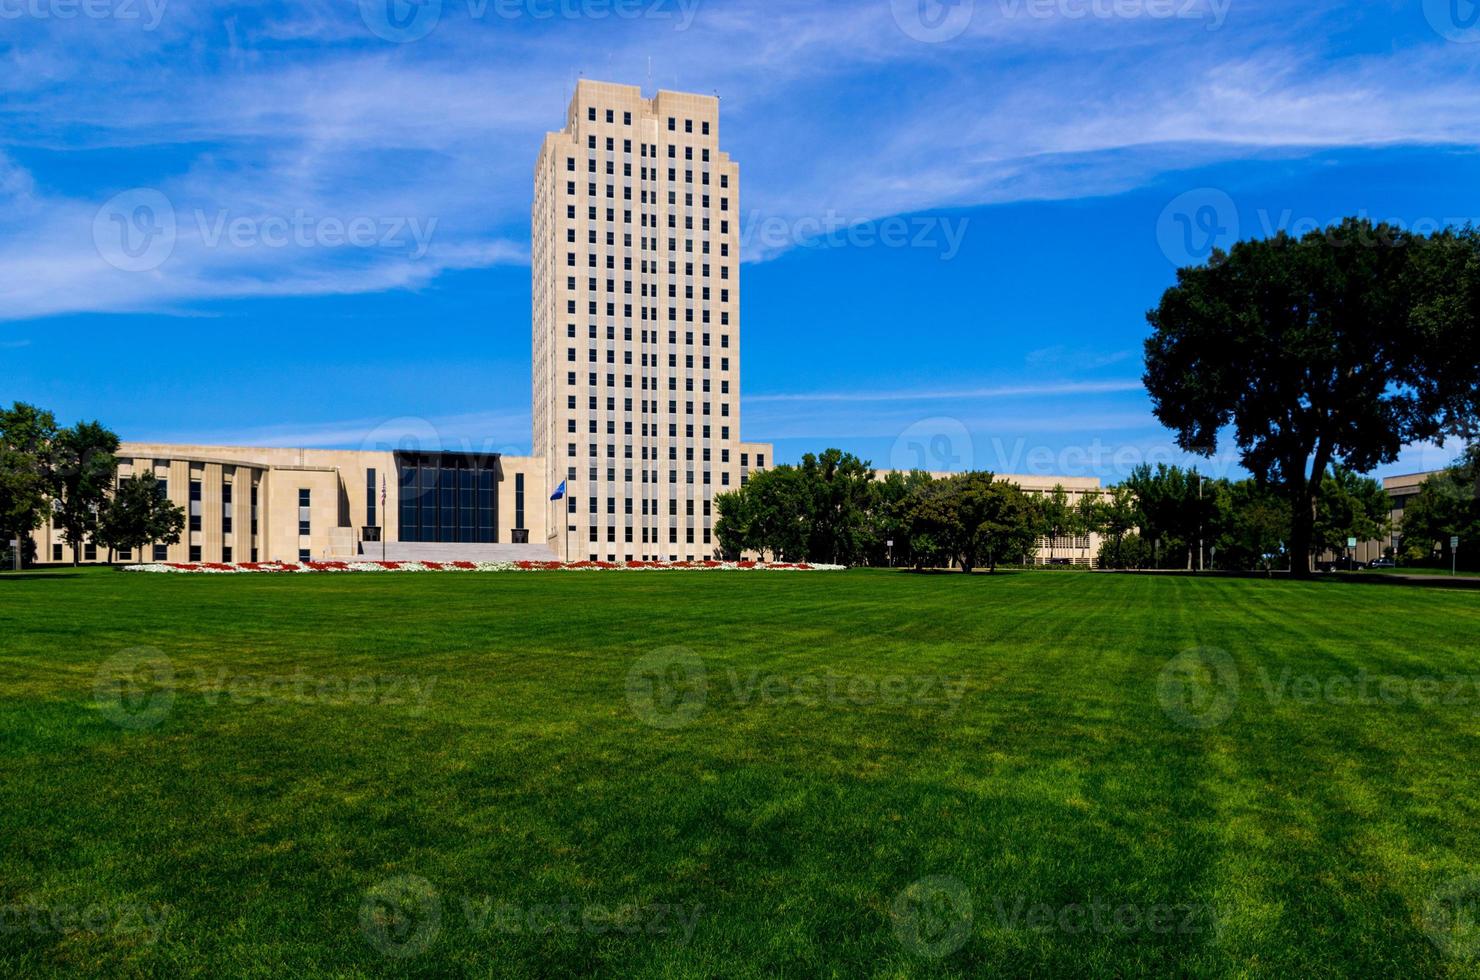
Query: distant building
[[635, 255]]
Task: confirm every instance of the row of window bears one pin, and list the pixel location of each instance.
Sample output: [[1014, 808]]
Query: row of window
[[649, 174], [611, 117], [649, 536], [649, 337]]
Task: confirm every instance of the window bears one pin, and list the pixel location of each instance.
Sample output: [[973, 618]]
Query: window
[[161, 552], [226, 508], [371, 514], [195, 498], [304, 555], [226, 553], [448, 498], [195, 552], [518, 500], [305, 515], [56, 552]]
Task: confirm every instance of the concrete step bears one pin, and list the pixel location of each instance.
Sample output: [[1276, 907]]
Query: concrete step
[[406, 551]]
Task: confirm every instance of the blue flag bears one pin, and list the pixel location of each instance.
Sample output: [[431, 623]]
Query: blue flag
[[559, 493]]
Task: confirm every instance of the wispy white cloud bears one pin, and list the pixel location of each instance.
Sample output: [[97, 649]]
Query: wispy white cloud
[[263, 109]]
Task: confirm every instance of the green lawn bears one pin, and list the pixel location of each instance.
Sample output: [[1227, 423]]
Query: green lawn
[[673, 775]]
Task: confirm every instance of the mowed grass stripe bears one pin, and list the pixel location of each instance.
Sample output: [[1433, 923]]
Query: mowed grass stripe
[[1302, 838]]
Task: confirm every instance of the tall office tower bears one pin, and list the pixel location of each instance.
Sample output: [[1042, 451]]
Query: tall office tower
[[636, 265]]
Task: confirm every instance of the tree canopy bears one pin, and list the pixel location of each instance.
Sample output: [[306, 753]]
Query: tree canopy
[[1342, 346]]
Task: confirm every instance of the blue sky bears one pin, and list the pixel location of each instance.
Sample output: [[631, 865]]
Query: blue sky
[[955, 216]]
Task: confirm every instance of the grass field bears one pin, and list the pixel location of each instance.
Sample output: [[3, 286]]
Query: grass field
[[673, 775]]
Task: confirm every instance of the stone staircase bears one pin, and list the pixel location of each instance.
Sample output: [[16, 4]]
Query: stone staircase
[[405, 551]]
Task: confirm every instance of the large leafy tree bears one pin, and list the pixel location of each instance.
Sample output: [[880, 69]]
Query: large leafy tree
[[27, 435], [1350, 506], [767, 515], [976, 519], [839, 490], [1447, 506], [83, 467], [1342, 346], [138, 514]]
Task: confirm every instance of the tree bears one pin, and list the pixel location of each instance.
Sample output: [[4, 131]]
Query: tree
[[973, 517], [1173, 512], [1447, 506], [139, 513], [27, 435], [1115, 515], [1251, 526], [889, 518], [1350, 506], [82, 477], [838, 490], [768, 514], [1344, 345]]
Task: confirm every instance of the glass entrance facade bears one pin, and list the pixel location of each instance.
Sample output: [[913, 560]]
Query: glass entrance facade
[[448, 497]]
